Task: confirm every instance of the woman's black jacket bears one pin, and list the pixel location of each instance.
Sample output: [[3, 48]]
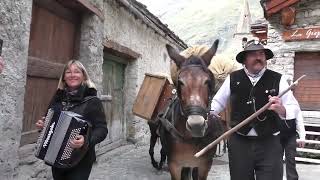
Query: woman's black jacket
[[86, 103]]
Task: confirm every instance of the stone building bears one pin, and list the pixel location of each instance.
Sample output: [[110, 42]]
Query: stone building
[[291, 29], [117, 40], [293, 34]]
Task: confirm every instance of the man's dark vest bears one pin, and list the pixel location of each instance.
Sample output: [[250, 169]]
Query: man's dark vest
[[246, 98]]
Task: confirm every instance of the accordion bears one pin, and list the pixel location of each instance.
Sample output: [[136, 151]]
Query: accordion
[[53, 145]]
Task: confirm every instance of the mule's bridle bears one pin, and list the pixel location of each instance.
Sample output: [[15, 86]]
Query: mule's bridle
[[196, 110]]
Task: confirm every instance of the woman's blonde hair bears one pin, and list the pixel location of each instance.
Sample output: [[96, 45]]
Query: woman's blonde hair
[[87, 81]]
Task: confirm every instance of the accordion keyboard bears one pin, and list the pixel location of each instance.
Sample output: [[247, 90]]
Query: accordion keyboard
[[43, 132], [68, 149]]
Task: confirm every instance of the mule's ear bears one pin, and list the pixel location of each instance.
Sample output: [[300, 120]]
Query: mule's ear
[[210, 53], [175, 56]]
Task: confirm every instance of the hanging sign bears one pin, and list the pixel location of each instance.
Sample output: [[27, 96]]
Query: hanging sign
[[302, 34]]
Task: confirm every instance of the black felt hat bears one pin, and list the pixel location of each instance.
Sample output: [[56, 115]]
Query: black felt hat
[[253, 45]]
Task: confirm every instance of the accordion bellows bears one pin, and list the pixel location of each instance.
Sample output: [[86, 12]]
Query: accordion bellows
[[53, 145]]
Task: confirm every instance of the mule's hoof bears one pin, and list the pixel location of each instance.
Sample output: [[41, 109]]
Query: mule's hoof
[[160, 167], [155, 165]]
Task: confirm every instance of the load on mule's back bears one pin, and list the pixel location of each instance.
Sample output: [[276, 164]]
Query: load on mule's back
[[153, 98], [190, 128]]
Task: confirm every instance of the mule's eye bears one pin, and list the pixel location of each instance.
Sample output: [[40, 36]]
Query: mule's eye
[[180, 82], [207, 82]]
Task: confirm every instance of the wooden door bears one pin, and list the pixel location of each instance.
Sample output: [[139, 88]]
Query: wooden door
[[308, 90], [54, 40], [113, 84]]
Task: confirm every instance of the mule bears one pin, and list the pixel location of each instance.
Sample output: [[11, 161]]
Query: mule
[[190, 129]]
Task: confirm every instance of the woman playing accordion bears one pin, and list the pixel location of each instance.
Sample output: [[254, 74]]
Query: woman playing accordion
[[77, 93]]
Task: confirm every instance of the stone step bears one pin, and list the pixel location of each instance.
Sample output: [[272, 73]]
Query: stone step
[[313, 133], [311, 124], [309, 160], [315, 151], [309, 141]]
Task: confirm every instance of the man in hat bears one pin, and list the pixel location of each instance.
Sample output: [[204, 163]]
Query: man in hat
[[255, 150], [289, 129]]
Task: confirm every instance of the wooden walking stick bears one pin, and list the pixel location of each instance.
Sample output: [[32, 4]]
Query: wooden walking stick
[[244, 122]]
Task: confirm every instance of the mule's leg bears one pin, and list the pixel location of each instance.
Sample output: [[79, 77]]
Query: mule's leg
[[175, 171], [186, 173], [203, 170], [195, 173], [163, 153], [153, 140], [164, 147], [225, 144]]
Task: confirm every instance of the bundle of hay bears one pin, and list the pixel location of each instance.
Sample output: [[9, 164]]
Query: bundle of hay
[[221, 64]]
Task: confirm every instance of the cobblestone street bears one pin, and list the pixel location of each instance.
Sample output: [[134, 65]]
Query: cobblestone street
[[132, 162]]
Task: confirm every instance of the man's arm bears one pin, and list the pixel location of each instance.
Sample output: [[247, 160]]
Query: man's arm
[[300, 129], [288, 100], [220, 99], [287, 106]]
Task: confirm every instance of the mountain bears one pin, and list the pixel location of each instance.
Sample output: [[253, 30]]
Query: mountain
[[203, 21]]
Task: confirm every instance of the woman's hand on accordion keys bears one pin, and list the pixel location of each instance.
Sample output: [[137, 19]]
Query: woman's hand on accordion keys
[[40, 123], [77, 142]]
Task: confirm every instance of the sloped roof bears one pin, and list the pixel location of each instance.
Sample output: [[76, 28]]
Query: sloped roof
[[271, 7], [140, 11]]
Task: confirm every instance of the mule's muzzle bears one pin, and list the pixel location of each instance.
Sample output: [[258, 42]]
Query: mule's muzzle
[[196, 125]]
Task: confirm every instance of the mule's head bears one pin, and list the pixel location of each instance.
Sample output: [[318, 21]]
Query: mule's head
[[195, 83]]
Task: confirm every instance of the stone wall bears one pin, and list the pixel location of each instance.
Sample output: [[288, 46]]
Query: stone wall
[[122, 27], [308, 15], [119, 25], [91, 49], [91, 55], [15, 18]]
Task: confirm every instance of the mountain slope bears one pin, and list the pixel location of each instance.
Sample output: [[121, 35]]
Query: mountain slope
[[203, 21]]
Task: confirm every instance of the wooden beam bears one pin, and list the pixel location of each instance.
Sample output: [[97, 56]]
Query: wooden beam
[[41, 68], [116, 49], [273, 3], [301, 34], [82, 6], [29, 137], [56, 8], [274, 6], [91, 8]]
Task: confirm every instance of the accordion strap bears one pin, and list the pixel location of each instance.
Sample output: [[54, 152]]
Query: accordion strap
[[86, 99]]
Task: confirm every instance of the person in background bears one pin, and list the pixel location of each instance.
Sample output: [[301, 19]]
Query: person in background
[[74, 86], [255, 150], [289, 130]]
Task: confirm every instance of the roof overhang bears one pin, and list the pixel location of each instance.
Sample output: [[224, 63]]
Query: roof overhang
[[274, 6]]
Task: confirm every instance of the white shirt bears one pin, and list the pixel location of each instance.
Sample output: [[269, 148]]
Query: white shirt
[[300, 126], [290, 103]]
